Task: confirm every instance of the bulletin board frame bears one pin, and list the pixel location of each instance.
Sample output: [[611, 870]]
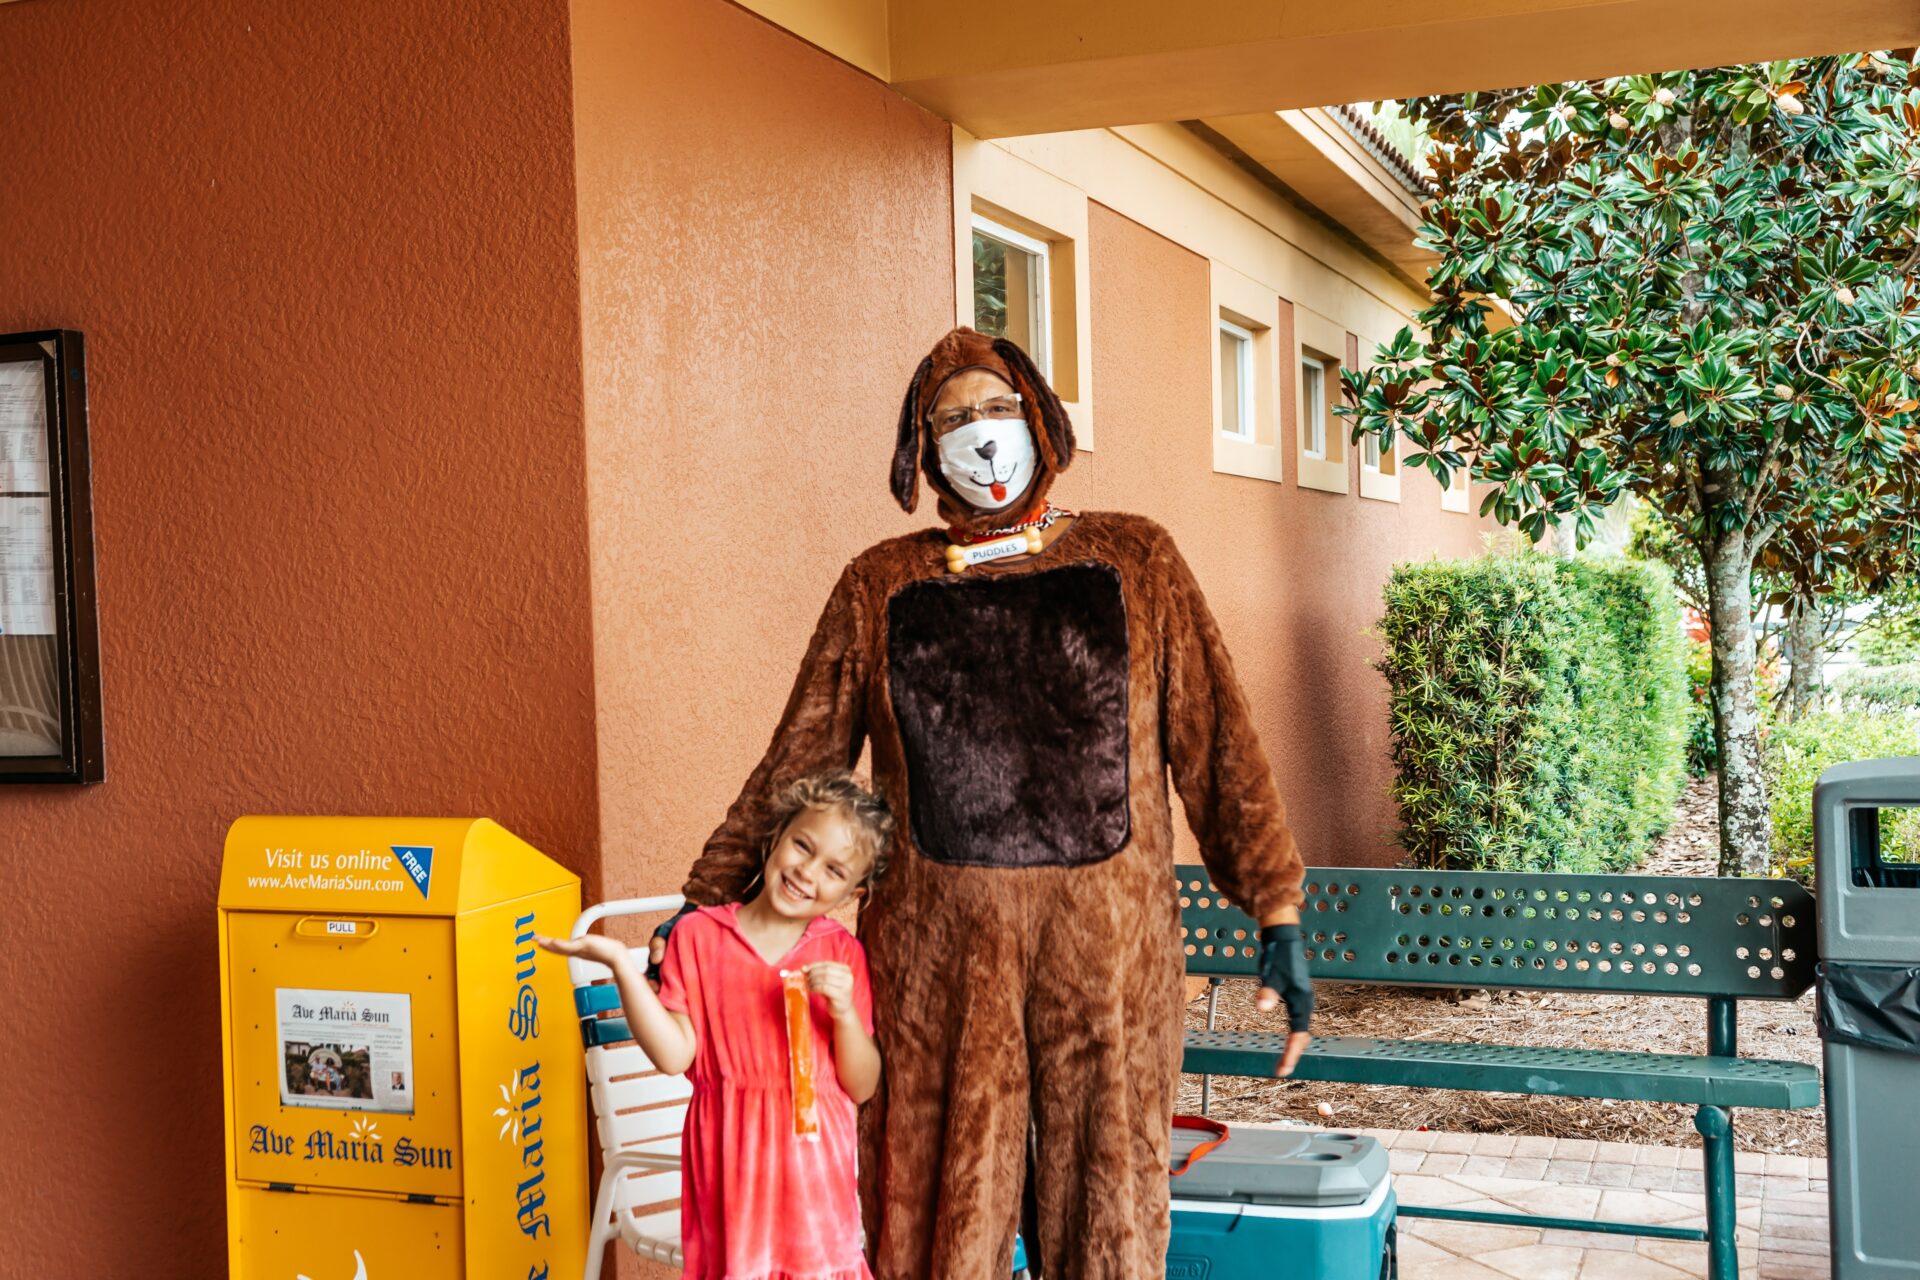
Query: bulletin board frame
[[74, 623]]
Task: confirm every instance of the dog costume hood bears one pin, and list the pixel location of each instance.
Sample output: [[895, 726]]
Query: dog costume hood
[[914, 452]]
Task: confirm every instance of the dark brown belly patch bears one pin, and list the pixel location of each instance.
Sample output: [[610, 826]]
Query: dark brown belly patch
[[1011, 697]]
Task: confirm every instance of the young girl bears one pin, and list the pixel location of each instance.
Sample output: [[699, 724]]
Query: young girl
[[757, 1201]]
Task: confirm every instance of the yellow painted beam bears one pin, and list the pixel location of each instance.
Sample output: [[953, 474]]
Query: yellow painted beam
[[1004, 67]]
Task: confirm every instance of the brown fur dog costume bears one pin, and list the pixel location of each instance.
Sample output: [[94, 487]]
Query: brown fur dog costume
[[1024, 945]]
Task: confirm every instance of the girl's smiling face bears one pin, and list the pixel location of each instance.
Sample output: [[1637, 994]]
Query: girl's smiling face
[[816, 864]]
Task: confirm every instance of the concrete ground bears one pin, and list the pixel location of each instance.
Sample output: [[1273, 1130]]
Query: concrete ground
[[1782, 1204]]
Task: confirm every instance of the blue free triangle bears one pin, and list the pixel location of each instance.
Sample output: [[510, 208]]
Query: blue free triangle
[[417, 860]]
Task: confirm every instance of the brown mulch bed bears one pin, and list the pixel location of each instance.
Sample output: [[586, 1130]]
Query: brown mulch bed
[[1565, 1019]]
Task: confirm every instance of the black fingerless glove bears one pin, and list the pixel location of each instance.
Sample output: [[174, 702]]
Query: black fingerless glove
[[665, 930], [1283, 966]]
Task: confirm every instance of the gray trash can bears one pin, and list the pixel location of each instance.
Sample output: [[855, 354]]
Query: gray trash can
[[1869, 902]]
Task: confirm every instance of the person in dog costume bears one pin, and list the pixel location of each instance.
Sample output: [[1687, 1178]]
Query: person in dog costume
[[1026, 679]]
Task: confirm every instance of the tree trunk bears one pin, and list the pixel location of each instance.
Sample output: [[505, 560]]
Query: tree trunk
[[1804, 650], [1744, 824]]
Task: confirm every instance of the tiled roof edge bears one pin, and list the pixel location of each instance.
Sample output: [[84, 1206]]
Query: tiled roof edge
[[1377, 145]]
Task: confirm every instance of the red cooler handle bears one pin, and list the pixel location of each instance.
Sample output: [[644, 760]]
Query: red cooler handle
[[1205, 1126]]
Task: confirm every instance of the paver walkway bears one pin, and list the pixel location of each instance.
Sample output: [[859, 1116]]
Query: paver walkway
[[1782, 1204]]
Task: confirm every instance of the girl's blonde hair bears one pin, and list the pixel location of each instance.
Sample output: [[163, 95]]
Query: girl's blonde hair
[[839, 790]]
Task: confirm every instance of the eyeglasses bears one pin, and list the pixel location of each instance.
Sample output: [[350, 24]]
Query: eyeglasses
[[959, 415]]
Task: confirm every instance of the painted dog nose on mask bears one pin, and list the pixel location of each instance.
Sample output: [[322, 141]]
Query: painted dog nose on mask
[[1005, 444]]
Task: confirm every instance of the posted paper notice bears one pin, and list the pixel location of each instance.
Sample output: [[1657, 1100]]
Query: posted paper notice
[[352, 1050], [23, 428]]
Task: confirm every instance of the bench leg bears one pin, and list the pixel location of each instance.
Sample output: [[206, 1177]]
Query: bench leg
[[1716, 1134], [1213, 1007], [603, 1229]]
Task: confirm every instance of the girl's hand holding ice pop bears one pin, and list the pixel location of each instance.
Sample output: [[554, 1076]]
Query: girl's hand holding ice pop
[[834, 981]]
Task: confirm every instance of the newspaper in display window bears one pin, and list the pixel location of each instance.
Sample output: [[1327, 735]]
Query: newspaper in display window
[[347, 1049]]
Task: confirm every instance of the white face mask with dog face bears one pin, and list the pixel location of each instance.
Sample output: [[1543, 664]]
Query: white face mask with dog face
[[989, 462]]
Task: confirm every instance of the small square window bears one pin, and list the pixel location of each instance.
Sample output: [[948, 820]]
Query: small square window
[[1322, 436], [1010, 289], [1020, 238], [1236, 380], [1379, 470], [1246, 383], [1371, 459], [1313, 407]]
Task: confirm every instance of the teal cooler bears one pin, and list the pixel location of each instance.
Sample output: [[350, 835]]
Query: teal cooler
[[1282, 1202]]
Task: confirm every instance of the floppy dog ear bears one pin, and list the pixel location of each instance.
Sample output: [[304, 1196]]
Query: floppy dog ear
[[1054, 430], [906, 448]]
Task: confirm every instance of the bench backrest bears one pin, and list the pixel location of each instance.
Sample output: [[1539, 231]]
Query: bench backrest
[[1652, 935], [636, 1110]]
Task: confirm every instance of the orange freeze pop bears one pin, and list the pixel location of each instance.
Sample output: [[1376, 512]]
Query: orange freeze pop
[[806, 1124]]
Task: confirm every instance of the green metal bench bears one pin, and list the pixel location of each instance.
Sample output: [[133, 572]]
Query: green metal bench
[[1721, 940]]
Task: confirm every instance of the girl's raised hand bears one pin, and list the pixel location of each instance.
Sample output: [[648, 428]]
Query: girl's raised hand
[[597, 947], [833, 980]]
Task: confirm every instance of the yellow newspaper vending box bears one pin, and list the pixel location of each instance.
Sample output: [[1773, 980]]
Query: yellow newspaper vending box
[[405, 1095]]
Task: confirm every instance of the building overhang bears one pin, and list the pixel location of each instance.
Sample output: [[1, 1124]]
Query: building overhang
[[1320, 157], [1003, 67]]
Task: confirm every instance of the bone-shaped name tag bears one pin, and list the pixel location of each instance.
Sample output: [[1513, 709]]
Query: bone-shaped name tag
[[1025, 543]]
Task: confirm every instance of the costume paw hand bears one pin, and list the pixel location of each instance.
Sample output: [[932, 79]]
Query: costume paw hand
[[1297, 1043], [834, 981], [1283, 975]]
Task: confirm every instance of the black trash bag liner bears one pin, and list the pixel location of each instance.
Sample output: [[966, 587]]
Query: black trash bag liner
[[1873, 1006]]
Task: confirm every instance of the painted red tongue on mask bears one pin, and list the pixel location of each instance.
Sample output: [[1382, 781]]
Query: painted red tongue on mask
[[999, 493]]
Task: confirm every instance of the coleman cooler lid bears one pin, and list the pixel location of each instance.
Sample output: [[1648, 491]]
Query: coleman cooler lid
[[1304, 1167]]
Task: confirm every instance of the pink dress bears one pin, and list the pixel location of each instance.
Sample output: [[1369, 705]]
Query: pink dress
[[756, 1202]]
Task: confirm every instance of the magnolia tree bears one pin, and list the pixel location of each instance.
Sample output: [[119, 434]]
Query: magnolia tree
[[1823, 576], [1711, 281], [1823, 569]]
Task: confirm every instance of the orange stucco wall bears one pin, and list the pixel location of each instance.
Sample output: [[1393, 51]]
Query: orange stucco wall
[[481, 414], [324, 258], [1292, 574], [766, 251]]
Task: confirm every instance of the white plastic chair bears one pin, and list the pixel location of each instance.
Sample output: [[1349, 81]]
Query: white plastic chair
[[637, 1112]]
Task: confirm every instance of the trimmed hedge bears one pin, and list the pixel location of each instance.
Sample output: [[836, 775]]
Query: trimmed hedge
[[1883, 689], [1539, 710], [1798, 753]]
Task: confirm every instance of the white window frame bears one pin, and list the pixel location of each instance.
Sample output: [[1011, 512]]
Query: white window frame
[[1015, 193], [1458, 495], [1041, 301], [1245, 353], [1321, 340], [1249, 310], [1379, 468], [1313, 407], [1379, 472]]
